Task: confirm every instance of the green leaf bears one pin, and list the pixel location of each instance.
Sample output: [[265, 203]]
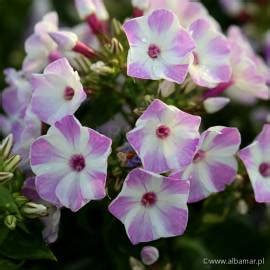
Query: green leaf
[[7, 202], [23, 246], [8, 265], [3, 233]]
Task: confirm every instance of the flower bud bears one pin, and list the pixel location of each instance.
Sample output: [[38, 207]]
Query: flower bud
[[33, 210], [68, 41], [135, 264], [166, 88], [95, 13], [11, 164], [5, 176], [10, 222], [139, 7], [215, 104], [6, 146], [100, 68], [149, 255], [19, 199]]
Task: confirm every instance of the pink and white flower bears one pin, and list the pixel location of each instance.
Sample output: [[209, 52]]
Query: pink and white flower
[[71, 164], [187, 11], [151, 206], [249, 73], [214, 164], [39, 47], [256, 158], [165, 138], [57, 92], [211, 64], [159, 47]]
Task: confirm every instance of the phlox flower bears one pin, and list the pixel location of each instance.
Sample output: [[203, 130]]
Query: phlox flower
[[151, 206], [187, 11], [16, 97], [57, 92], [211, 64], [249, 73], [165, 137], [256, 158], [214, 164], [50, 222], [159, 47], [70, 164], [40, 48], [149, 255]]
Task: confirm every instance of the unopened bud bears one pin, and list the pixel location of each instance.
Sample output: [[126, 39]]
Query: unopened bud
[[6, 146], [11, 164], [33, 210], [215, 104], [115, 46], [5, 176], [69, 41], [19, 199], [100, 68], [10, 221], [135, 264], [242, 207], [149, 255], [166, 88]]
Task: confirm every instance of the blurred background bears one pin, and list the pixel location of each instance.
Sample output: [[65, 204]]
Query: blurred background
[[224, 226]]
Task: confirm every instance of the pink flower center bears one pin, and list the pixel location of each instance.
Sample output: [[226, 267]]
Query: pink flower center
[[153, 51], [163, 132], [264, 169], [199, 156], [69, 93], [149, 199], [77, 163], [196, 59]]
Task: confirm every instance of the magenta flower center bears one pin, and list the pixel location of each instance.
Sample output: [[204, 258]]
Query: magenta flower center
[[153, 51], [163, 132], [77, 163], [69, 93], [264, 169], [149, 199], [199, 156]]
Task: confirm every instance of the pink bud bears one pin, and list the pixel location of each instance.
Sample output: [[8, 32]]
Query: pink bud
[[68, 41], [215, 104], [149, 255]]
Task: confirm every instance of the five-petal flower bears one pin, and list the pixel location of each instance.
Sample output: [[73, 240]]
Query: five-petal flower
[[159, 47], [151, 206], [71, 164]]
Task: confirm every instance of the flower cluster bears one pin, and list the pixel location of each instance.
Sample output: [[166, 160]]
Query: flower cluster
[[167, 157]]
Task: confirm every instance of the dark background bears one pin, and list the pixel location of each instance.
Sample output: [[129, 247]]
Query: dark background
[[92, 238]]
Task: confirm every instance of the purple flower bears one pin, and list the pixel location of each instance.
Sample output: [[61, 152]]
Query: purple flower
[[187, 11], [165, 137], [71, 164], [256, 158], [40, 48], [16, 97], [214, 164], [211, 64], [57, 92], [51, 222], [128, 156], [159, 47], [249, 73], [151, 206]]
